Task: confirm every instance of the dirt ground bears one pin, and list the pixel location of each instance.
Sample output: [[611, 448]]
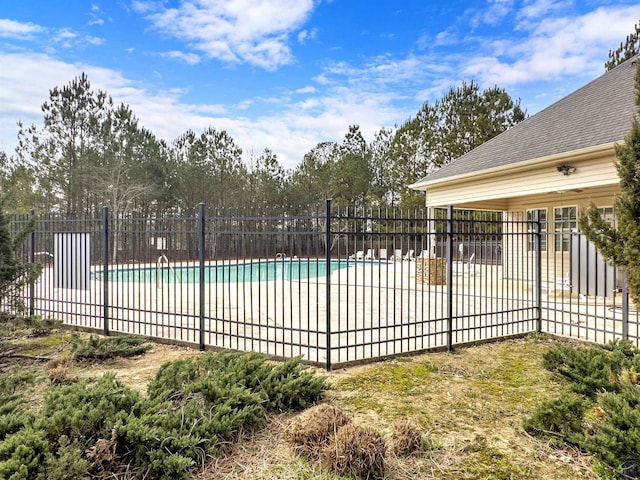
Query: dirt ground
[[137, 371]]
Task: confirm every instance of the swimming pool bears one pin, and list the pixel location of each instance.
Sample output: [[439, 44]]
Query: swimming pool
[[293, 269]]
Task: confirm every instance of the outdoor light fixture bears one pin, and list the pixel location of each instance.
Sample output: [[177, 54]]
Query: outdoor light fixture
[[566, 169]]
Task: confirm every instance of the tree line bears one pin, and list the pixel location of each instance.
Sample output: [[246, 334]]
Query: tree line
[[90, 152]]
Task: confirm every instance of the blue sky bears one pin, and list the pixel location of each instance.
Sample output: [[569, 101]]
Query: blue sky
[[287, 74]]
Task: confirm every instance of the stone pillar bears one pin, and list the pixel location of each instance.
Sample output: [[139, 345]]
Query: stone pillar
[[432, 271]]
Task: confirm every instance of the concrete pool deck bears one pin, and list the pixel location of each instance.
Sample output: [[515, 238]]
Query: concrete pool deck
[[376, 309]]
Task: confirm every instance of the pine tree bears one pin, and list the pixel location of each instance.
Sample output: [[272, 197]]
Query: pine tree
[[626, 50], [620, 245], [14, 274]]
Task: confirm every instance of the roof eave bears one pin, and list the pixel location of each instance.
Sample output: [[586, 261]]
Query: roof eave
[[581, 154]]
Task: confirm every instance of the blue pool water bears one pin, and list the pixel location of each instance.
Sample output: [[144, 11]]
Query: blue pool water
[[231, 273]]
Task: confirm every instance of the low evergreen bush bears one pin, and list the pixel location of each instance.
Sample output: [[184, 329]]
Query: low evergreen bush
[[591, 370], [87, 410], [12, 326], [13, 415], [67, 463], [103, 348], [104, 428], [559, 421], [282, 387], [616, 437], [605, 378], [22, 454]]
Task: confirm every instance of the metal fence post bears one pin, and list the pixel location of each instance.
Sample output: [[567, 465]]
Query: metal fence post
[[32, 261], [201, 246], [328, 280], [625, 305], [538, 293], [450, 278], [105, 270]]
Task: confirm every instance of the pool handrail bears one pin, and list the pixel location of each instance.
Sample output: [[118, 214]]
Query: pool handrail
[[159, 265]]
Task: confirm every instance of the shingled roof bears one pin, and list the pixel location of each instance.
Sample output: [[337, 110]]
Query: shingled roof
[[596, 114]]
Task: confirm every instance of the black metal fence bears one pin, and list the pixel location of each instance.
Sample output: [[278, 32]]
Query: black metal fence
[[336, 286]]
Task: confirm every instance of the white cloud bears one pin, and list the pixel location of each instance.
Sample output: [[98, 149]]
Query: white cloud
[[210, 109], [245, 104], [307, 89], [94, 40], [494, 12], [446, 37], [497, 11], [305, 35], [188, 58], [65, 34], [95, 15], [555, 47], [534, 9], [67, 38], [13, 29], [252, 31]]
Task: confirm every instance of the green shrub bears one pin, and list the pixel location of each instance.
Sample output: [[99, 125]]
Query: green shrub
[[22, 454], [198, 404], [616, 440], [87, 411], [154, 444], [67, 463], [592, 370], [193, 408], [15, 378], [623, 346], [291, 386], [608, 375], [284, 386], [102, 348], [560, 421], [13, 415], [12, 326]]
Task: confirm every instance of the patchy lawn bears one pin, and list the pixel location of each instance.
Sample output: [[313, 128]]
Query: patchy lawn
[[469, 403]]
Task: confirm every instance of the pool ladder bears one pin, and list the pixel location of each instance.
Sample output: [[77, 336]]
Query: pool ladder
[[162, 259]]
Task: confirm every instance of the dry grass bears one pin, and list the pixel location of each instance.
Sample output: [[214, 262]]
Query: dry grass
[[406, 438], [312, 431], [60, 370], [357, 450]]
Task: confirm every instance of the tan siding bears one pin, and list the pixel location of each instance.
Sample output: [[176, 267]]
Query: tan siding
[[509, 184], [601, 196]]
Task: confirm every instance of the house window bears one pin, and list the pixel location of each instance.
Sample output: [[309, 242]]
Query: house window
[[531, 217], [608, 215], [565, 221]]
